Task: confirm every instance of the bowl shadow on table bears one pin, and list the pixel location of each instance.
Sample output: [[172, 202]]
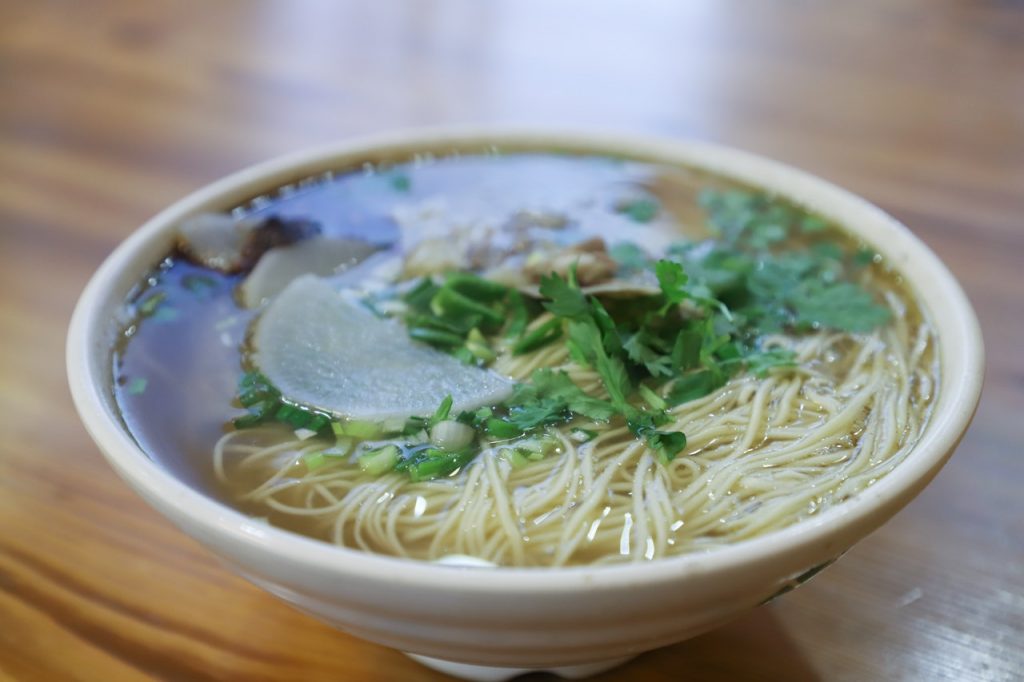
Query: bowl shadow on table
[[756, 646]]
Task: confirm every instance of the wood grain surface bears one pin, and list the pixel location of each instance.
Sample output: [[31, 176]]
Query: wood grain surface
[[111, 110]]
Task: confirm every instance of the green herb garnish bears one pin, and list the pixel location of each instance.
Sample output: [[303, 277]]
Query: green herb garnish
[[630, 257], [400, 182], [165, 313], [380, 460], [199, 285], [708, 322], [151, 304], [137, 386], [642, 210], [265, 404], [429, 463]]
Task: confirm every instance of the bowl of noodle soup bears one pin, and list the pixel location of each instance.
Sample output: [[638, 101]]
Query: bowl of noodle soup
[[519, 399]]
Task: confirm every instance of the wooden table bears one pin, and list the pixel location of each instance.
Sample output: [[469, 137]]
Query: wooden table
[[111, 110]]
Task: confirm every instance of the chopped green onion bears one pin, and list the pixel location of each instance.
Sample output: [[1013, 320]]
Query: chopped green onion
[[451, 435], [380, 460], [435, 337], [357, 429], [414, 425], [248, 420], [264, 403], [285, 413], [465, 356], [519, 316], [253, 396], [314, 460], [476, 287], [539, 448], [481, 415], [447, 302], [501, 429], [341, 448], [317, 423], [581, 435], [442, 411], [419, 296], [476, 344], [431, 463], [539, 337], [250, 379], [515, 457]]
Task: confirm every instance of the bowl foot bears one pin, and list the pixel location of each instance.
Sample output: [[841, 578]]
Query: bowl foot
[[487, 673]]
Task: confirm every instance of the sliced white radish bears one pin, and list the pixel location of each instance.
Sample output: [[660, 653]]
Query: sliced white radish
[[316, 256], [329, 353]]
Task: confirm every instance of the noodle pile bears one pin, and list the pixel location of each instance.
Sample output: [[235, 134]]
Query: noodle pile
[[762, 453]]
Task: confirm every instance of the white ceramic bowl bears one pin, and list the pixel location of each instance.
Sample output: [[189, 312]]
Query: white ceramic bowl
[[526, 618]]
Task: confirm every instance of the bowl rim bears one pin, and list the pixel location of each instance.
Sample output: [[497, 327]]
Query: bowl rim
[[960, 345]]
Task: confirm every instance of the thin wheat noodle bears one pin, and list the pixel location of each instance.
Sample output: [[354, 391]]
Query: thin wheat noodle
[[762, 453]]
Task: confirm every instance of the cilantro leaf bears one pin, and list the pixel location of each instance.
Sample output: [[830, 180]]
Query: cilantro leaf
[[551, 397], [764, 233], [719, 270], [559, 386], [641, 348], [566, 299], [864, 257], [667, 443], [802, 290], [696, 385], [729, 212], [737, 288], [645, 425], [587, 348], [760, 363], [531, 415], [616, 380], [844, 306], [672, 281], [686, 350]]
